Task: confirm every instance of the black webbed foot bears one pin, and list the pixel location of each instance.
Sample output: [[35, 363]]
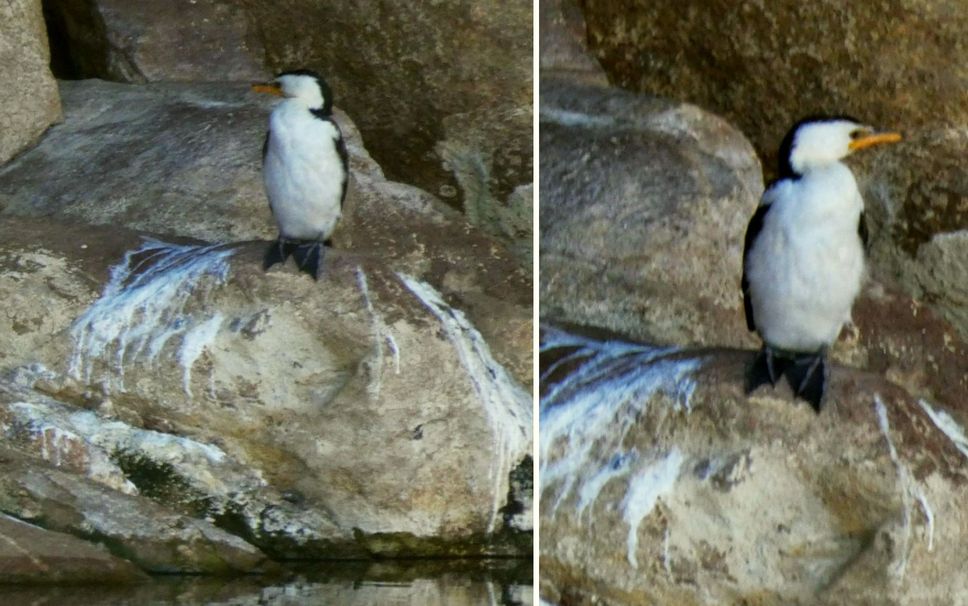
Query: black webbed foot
[[808, 376], [278, 252], [308, 256], [766, 368]]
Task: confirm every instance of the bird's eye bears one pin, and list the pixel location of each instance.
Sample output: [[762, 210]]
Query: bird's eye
[[856, 134]]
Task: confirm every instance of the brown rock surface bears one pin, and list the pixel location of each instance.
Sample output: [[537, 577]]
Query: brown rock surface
[[172, 369], [30, 554], [662, 483], [644, 203], [198, 40], [29, 93], [900, 65]]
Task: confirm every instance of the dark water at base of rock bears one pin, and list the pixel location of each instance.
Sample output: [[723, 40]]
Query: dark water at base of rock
[[504, 582]]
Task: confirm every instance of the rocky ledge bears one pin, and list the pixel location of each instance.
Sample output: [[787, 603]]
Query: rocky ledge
[[164, 397]]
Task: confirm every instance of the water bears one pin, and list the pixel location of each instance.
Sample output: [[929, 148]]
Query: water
[[506, 582]]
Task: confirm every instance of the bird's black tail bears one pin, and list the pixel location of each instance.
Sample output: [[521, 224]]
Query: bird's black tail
[[807, 374]]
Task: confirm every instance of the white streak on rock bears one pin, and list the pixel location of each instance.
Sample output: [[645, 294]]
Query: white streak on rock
[[910, 491], [195, 341], [948, 426], [644, 491], [144, 305], [586, 416], [382, 338], [506, 403]]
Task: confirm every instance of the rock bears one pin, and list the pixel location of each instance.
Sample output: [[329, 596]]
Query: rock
[[562, 46], [29, 95], [442, 92], [184, 160], [174, 159], [764, 65], [30, 554], [137, 530], [662, 483], [644, 204], [207, 40], [371, 409]]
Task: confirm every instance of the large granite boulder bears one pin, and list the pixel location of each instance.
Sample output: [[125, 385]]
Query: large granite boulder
[[29, 93], [644, 203], [441, 91], [661, 483], [223, 414], [358, 415], [897, 65]]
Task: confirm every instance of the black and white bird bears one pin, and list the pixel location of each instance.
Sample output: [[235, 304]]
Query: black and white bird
[[803, 260], [304, 167]]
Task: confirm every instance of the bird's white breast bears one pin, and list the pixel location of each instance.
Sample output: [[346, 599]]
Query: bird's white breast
[[303, 172], [806, 266]]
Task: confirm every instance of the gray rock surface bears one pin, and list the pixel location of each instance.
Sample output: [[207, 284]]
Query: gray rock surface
[[30, 554], [29, 93], [644, 204], [662, 483], [138, 530], [442, 91], [763, 65], [200, 40]]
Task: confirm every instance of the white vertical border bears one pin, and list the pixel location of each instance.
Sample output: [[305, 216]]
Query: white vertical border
[[535, 277]]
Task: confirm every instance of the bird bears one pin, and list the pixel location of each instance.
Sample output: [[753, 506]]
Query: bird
[[304, 168], [804, 254]]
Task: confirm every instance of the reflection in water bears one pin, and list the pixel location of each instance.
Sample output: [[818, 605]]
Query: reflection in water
[[420, 583]]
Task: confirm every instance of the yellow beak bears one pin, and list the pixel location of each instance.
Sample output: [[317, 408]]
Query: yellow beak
[[875, 139], [267, 87]]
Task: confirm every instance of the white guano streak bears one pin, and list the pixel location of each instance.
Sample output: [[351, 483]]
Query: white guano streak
[[507, 404], [586, 417], [144, 305], [644, 491], [382, 338], [948, 427], [910, 491]]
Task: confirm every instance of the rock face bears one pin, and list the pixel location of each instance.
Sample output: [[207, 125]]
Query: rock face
[[194, 413], [564, 50], [30, 554], [442, 92], [29, 95], [183, 159], [644, 204], [207, 40], [662, 484], [764, 65]]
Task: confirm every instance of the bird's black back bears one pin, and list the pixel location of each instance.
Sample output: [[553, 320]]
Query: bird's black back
[[752, 230]]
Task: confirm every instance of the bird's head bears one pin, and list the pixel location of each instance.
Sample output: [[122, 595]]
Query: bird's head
[[817, 141], [304, 86]]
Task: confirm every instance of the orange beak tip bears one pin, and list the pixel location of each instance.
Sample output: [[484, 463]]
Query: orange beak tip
[[266, 87], [875, 139]]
